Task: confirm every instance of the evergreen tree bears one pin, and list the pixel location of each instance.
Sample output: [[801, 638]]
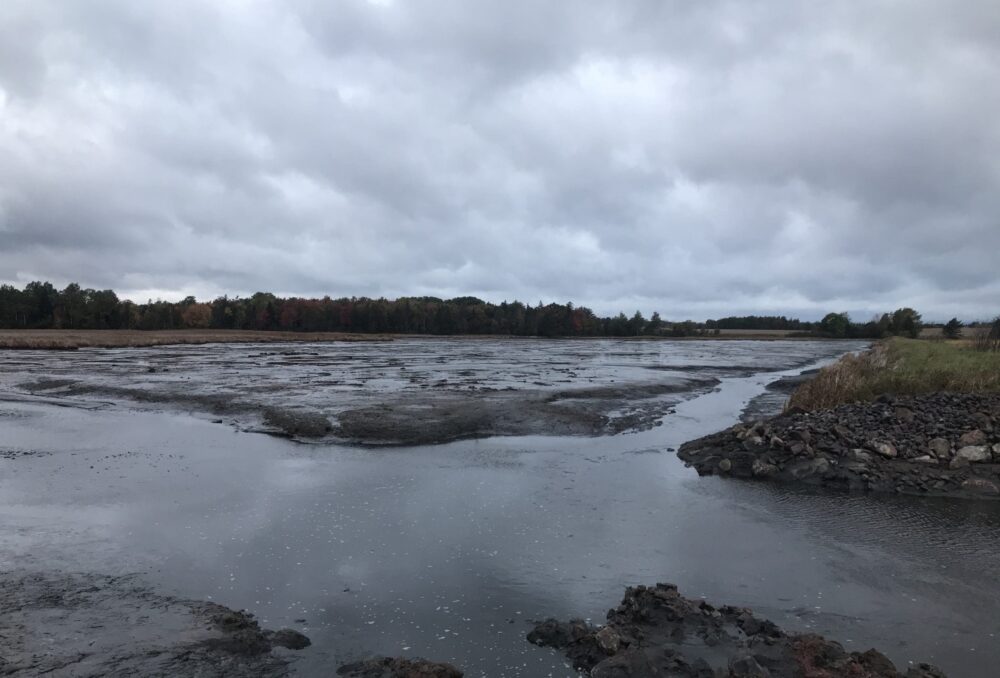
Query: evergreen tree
[[952, 329]]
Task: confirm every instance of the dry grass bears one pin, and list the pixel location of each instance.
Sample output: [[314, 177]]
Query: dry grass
[[938, 333], [902, 367], [755, 334], [73, 339]]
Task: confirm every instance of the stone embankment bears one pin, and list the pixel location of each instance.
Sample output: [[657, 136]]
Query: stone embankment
[[658, 632], [938, 444]]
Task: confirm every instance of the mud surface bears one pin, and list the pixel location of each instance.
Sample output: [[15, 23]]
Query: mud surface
[[446, 551], [95, 625], [398, 667], [658, 632], [775, 395], [409, 391]]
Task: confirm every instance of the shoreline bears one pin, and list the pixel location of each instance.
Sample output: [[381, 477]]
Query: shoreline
[[71, 340]]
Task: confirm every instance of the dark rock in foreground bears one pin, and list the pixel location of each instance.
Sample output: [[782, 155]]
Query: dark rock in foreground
[[398, 667], [658, 632], [940, 443]]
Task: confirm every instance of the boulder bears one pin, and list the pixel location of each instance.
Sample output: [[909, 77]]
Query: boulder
[[747, 667], [974, 437], [554, 633], [925, 459], [806, 468], [290, 638], [761, 469], [974, 453], [983, 421], [857, 454], [608, 640], [725, 465], [887, 450], [940, 448], [904, 414], [842, 432]]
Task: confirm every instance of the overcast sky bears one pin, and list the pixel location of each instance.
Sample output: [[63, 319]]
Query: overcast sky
[[696, 158]]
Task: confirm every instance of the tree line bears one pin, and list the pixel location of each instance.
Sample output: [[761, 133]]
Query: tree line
[[41, 306]]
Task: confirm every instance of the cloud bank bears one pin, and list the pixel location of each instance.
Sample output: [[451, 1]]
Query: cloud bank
[[699, 159]]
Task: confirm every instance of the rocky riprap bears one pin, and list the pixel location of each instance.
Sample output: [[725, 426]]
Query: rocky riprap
[[658, 632], [940, 443], [398, 667]]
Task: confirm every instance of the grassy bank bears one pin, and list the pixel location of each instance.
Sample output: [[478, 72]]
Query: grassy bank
[[902, 367]]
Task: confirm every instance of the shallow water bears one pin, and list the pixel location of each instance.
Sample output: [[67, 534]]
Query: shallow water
[[447, 551]]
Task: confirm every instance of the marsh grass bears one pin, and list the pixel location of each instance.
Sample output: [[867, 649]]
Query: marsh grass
[[990, 340], [902, 367]]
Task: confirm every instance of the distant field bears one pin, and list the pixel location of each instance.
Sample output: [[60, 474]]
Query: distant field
[[70, 339], [967, 332], [755, 333]]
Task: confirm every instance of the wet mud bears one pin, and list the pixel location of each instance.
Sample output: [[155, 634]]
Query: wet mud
[[408, 392], [776, 394], [398, 667], [97, 625], [656, 631]]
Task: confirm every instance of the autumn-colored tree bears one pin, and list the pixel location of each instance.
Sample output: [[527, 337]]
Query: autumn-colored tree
[[197, 316]]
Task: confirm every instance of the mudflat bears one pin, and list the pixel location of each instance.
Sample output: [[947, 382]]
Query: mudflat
[[450, 551], [408, 392]]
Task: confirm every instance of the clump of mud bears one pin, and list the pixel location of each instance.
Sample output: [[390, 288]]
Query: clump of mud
[[658, 632], [97, 625], [297, 423]]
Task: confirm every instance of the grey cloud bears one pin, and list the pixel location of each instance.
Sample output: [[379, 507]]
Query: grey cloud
[[696, 158]]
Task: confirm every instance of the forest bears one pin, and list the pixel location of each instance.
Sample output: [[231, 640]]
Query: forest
[[40, 305]]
